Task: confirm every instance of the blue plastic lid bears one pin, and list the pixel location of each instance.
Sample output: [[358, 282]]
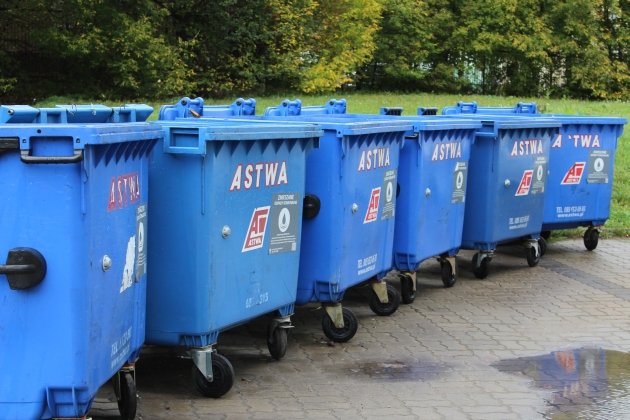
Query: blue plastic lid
[[243, 129], [511, 121], [82, 134], [343, 127], [586, 119], [419, 123]]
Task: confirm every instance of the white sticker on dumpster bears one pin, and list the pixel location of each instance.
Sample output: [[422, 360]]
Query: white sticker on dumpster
[[141, 240], [130, 258], [540, 175], [389, 187], [598, 167], [285, 217], [459, 183], [256, 232], [372, 212]]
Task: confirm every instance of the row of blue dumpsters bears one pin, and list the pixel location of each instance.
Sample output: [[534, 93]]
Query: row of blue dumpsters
[[119, 232]]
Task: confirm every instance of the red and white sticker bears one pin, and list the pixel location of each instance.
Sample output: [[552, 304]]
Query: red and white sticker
[[372, 211], [526, 182], [257, 227], [574, 176]]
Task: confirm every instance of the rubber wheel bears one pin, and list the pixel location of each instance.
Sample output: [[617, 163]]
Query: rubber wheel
[[407, 293], [222, 381], [591, 242], [128, 401], [532, 259], [546, 234], [278, 344], [341, 335], [448, 278], [483, 270], [385, 309], [542, 244]]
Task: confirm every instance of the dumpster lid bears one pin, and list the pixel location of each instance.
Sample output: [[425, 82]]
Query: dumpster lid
[[420, 122], [222, 129], [345, 127], [416, 123], [586, 119], [82, 134], [510, 121]]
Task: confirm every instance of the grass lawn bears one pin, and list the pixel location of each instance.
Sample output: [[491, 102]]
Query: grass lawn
[[617, 225]]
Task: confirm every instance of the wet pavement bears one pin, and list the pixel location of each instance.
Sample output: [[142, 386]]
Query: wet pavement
[[550, 342]]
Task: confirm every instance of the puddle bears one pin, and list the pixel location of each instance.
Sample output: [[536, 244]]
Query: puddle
[[585, 383], [395, 370]]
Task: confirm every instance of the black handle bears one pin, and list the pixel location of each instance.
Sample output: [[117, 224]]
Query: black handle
[[428, 110], [311, 206], [25, 156], [9, 144], [393, 110], [25, 268]]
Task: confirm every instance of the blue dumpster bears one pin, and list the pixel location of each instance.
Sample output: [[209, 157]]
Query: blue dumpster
[[349, 217], [73, 217], [432, 188], [507, 182], [581, 168], [226, 212]]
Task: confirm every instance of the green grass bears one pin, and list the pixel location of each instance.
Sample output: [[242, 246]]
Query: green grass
[[617, 225]]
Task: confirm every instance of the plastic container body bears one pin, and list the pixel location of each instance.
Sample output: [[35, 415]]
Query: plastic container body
[[581, 169], [507, 180], [431, 187], [354, 175], [66, 336], [581, 164], [226, 226]]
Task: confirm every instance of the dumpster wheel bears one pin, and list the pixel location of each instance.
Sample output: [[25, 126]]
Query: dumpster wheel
[[545, 234], [532, 258], [341, 335], [127, 401], [449, 273], [388, 308], [591, 238], [542, 244], [483, 270], [277, 345], [407, 291], [222, 378]]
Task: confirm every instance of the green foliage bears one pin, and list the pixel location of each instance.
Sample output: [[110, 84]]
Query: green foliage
[[342, 40], [216, 48]]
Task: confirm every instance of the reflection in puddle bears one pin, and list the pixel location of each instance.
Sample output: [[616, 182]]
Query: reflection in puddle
[[585, 383]]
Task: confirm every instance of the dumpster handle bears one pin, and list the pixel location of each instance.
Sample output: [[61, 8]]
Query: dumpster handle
[[25, 268], [25, 156]]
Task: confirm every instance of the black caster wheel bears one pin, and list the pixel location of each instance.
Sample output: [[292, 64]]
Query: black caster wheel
[[590, 241], [448, 278], [542, 244], [532, 258], [483, 270], [341, 335], [222, 381], [546, 234], [385, 309], [127, 402], [278, 344], [407, 293]]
